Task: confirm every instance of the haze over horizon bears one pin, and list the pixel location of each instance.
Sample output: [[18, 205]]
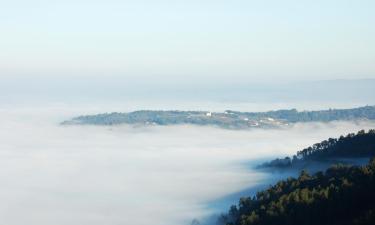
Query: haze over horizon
[[123, 94]]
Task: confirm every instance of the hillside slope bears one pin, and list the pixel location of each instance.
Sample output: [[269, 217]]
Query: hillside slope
[[360, 145], [343, 195]]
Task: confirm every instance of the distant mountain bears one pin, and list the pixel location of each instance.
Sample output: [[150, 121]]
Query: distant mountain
[[360, 145], [142, 91], [228, 119], [343, 195]]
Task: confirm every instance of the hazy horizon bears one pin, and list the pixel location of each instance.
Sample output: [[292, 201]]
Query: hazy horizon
[[121, 94]]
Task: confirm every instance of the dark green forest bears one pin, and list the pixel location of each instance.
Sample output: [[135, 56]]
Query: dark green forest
[[342, 195], [352, 145]]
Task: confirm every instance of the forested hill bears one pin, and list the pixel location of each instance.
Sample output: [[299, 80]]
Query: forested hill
[[352, 145], [343, 195], [228, 119]]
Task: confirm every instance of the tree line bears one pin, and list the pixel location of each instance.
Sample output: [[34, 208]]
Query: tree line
[[342, 195], [361, 144]]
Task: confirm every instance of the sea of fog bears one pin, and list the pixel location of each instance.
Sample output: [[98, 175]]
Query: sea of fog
[[89, 175]]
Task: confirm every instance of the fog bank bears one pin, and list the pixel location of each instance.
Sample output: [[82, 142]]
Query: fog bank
[[87, 175]]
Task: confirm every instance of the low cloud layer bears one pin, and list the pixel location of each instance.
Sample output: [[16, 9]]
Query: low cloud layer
[[86, 175]]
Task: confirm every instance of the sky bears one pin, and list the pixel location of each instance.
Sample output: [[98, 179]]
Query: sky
[[188, 40]]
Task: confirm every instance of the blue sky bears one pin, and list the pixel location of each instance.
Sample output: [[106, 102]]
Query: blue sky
[[201, 40]]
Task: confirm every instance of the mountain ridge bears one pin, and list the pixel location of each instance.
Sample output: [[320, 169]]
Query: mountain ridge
[[228, 119]]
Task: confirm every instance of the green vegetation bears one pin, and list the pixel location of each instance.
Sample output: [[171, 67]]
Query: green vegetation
[[343, 195], [228, 119], [294, 116], [358, 145]]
